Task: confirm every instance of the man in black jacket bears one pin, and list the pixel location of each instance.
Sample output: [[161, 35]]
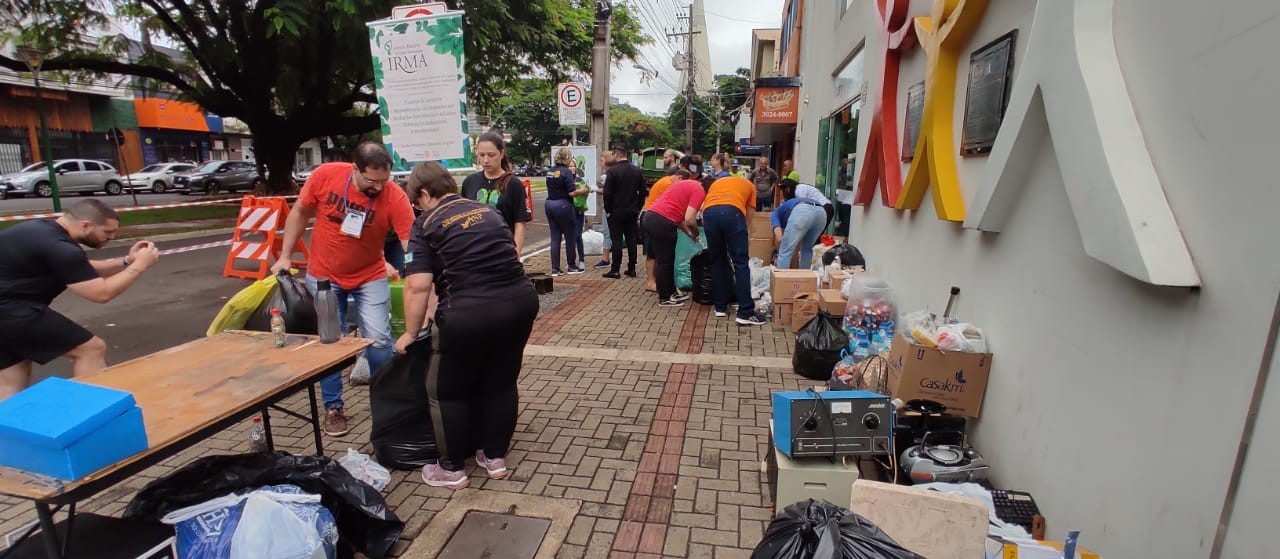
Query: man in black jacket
[[624, 193]]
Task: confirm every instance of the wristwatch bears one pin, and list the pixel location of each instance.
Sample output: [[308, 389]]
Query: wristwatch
[[126, 261]]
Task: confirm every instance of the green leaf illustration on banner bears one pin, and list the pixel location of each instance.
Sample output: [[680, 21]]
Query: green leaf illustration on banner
[[384, 114], [400, 28], [378, 73], [447, 38]]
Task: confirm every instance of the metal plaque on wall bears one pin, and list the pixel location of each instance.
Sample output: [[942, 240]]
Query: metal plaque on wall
[[915, 111], [990, 78]]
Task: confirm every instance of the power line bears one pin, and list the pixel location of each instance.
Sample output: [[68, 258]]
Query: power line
[[709, 12]]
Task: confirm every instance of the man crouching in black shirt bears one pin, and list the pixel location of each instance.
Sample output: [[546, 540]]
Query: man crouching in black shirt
[[39, 259]]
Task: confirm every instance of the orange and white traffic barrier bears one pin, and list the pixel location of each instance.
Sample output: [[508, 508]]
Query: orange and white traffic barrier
[[258, 238]]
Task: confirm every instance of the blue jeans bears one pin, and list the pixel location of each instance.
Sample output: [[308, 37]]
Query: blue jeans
[[373, 316], [561, 217], [726, 230], [608, 242], [579, 218], [804, 225]]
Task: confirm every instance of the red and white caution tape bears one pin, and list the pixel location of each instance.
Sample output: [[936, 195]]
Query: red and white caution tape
[[196, 247], [144, 208]]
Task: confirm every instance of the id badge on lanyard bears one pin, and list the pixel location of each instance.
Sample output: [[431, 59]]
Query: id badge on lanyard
[[353, 223]]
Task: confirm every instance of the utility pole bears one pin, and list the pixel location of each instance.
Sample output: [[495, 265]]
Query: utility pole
[[600, 86], [719, 117], [689, 69]]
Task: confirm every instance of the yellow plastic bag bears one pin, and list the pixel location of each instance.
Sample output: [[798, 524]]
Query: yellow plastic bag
[[239, 308]]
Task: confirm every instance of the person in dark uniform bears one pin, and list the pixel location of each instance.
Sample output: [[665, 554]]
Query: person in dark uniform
[[41, 258], [561, 185], [463, 251], [623, 195]]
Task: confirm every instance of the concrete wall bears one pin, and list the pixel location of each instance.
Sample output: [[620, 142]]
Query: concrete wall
[[1118, 404]]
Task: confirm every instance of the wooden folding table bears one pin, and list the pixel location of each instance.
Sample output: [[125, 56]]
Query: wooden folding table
[[188, 393]]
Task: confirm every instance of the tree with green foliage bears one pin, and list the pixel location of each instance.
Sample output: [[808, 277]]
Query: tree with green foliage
[[529, 114], [635, 130], [295, 69], [733, 90]]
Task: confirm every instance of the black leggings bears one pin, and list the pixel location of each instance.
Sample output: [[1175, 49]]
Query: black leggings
[[662, 233], [472, 387]]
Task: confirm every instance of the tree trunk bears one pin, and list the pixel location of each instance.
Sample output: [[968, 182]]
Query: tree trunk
[[275, 157]]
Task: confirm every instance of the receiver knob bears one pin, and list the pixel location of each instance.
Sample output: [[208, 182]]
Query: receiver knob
[[871, 421]]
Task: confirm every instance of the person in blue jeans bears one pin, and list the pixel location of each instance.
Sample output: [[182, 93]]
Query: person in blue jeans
[[797, 223], [561, 215], [726, 210], [355, 206]]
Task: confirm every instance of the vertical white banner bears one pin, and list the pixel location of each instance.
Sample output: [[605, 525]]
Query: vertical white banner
[[420, 80]]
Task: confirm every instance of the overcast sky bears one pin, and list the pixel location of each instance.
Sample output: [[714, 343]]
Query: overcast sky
[[729, 25]]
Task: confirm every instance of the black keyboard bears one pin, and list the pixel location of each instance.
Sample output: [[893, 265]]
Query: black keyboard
[[1015, 507]]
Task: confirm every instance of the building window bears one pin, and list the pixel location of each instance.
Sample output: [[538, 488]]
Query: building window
[[788, 25], [848, 80], [837, 156]]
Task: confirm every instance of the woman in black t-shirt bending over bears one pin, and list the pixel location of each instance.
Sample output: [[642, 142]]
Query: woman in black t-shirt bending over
[[464, 251], [497, 186]]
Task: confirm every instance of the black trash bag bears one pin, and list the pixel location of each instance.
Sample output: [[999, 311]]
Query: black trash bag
[[848, 254], [820, 530], [700, 273], [291, 296], [364, 521], [818, 346], [402, 434]]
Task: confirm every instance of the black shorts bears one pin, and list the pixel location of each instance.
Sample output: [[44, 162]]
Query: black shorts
[[35, 332]]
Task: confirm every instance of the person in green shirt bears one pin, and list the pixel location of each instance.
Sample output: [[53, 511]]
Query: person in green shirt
[[789, 171]]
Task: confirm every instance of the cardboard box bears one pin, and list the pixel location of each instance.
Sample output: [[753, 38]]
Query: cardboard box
[[832, 301], [68, 429], [762, 249], [955, 379], [1026, 549], [785, 284], [803, 310], [782, 314], [760, 226]]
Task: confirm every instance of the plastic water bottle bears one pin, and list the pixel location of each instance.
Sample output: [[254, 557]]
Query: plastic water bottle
[[327, 313], [257, 436], [277, 328]]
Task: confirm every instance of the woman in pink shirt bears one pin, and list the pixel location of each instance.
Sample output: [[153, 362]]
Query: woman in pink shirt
[[676, 209]]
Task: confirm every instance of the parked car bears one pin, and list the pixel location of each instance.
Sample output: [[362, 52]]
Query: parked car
[[217, 176], [157, 178], [301, 176], [74, 175]]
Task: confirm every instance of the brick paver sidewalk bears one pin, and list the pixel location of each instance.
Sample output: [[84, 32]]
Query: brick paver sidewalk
[[654, 420]]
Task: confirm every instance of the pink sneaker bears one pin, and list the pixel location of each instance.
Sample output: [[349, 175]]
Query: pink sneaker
[[436, 476], [497, 467]]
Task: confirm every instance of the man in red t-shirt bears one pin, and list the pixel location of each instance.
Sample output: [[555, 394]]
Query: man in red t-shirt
[[355, 206]]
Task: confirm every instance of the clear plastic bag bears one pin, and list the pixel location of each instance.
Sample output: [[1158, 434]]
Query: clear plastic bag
[[593, 242], [921, 328], [870, 316], [760, 274], [961, 337], [274, 522], [363, 468]]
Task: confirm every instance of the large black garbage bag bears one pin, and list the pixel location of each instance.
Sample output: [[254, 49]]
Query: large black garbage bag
[[364, 521], [818, 346], [290, 295], [402, 433], [700, 273], [848, 254], [820, 530]]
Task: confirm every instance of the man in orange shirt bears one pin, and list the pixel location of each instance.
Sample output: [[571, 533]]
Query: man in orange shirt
[[355, 206], [725, 214]]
